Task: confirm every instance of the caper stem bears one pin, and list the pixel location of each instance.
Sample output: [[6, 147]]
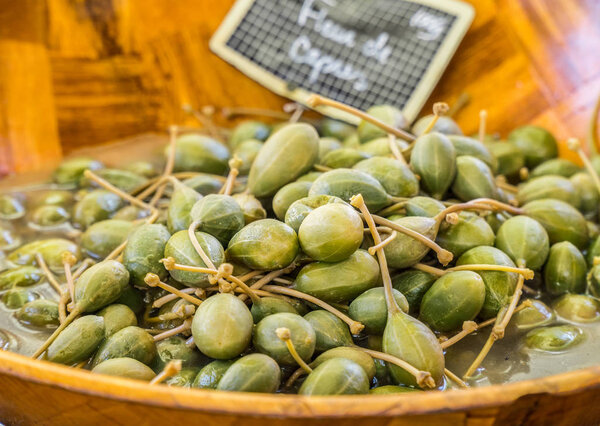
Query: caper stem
[[110, 187], [209, 112], [380, 229], [482, 122], [523, 173], [62, 306], [321, 168], [49, 275], [501, 321], [393, 208], [429, 269], [117, 252], [244, 286], [261, 293], [84, 265], [147, 188], [192, 234], [424, 379], [169, 316], [234, 165], [187, 175], [173, 367], [158, 185], [284, 334], [296, 111], [162, 179], [443, 255], [152, 331], [470, 326], [204, 118], [224, 270], [317, 100], [69, 260], [268, 278], [169, 297], [173, 130], [225, 286], [170, 264], [525, 304], [500, 328], [460, 103], [295, 376], [455, 378], [575, 146], [527, 273], [279, 280], [359, 202], [394, 149], [154, 281], [70, 318], [230, 112], [250, 275], [355, 326], [439, 109], [498, 205], [481, 356], [439, 218], [502, 184], [183, 312], [373, 249], [186, 326], [467, 328], [82, 364]]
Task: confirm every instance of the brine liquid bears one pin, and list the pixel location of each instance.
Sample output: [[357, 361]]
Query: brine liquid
[[511, 360]]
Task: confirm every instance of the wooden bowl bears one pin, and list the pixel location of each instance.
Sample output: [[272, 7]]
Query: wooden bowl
[[126, 64], [40, 392]]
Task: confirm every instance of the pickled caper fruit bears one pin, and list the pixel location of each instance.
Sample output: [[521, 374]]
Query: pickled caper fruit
[[268, 342], [554, 339], [577, 308], [299, 298], [336, 376]]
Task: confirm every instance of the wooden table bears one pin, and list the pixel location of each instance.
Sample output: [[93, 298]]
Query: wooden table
[[84, 72]]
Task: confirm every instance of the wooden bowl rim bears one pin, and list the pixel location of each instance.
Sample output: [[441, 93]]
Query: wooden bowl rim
[[293, 406]]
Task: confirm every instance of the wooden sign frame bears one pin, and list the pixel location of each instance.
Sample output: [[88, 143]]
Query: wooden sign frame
[[462, 12]]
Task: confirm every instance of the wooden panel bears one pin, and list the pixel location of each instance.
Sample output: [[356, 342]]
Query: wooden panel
[[91, 71], [104, 99], [524, 61], [28, 128]]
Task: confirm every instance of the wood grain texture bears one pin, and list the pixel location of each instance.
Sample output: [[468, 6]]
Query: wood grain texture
[[28, 126], [67, 396], [84, 72]]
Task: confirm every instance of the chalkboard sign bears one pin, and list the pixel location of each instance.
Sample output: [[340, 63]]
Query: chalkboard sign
[[360, 52]]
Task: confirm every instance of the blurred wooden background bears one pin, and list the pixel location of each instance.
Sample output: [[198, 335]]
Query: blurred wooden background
[[83, 72]]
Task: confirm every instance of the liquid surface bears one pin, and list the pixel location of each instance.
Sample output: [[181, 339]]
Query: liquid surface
[[511, 360], [25, 339]]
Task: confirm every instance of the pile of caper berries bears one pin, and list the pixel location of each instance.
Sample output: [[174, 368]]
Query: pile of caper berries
[[308, 257]]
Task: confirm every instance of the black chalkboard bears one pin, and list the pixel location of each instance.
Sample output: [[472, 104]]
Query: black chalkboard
[[360, 52]]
